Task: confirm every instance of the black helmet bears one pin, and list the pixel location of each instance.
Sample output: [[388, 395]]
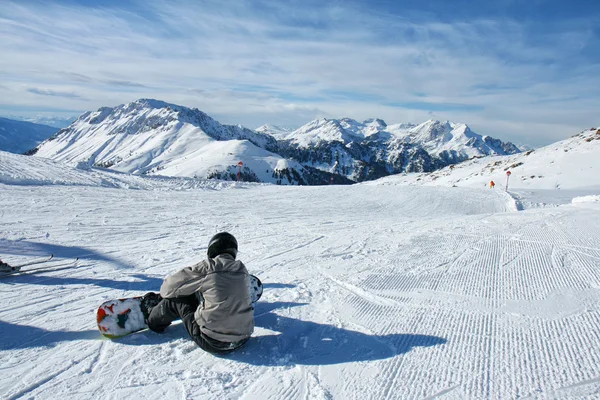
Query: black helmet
[[222, 243]]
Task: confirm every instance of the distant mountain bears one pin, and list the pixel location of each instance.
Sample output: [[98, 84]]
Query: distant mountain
[[568, 164], [57, 122], [157, 138], [20, 136], [372, 149], [344, 130], [53, 121], [273, 130]]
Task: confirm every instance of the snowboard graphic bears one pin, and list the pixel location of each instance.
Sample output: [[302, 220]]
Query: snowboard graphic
[[121, 317]]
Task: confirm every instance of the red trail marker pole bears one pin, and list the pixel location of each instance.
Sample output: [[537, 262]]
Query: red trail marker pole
[[240, 165], [507, 176]]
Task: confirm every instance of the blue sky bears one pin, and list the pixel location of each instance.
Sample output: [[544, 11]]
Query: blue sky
[[527, 71]]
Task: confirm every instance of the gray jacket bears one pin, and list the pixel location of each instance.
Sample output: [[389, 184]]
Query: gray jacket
[[227, 313]]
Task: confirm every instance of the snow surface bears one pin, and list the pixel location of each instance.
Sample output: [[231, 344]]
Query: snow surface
[[587, 199], [372, 291]]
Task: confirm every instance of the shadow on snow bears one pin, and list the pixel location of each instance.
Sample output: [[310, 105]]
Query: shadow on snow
[[298, 342], [35, 249], [14, 336], [142, 285], [311, 343]]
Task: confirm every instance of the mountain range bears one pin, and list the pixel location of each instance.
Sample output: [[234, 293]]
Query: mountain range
[[372, 149], [153, 137]]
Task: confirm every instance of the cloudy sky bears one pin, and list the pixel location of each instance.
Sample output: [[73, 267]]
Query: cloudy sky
[[521, 70]]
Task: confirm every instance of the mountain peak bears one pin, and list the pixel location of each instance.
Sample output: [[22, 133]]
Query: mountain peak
[[153, 103], [273, 130], [145, 136], [432, 130]]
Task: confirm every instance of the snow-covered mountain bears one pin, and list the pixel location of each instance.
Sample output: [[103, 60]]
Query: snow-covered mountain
[[19, 136], [372, 149], [157, 138], [454, 140], [273, 130], [343, 130], [568, 164], [154, 137]]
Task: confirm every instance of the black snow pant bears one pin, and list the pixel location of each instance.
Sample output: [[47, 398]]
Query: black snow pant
[[169, 310]]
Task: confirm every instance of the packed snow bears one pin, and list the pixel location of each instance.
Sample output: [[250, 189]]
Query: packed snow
[[372, 291]]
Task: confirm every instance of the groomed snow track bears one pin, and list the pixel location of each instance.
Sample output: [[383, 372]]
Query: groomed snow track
[[371, 292]]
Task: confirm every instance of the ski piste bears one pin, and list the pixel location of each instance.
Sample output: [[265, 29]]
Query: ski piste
[[57, 266], [17, 267]]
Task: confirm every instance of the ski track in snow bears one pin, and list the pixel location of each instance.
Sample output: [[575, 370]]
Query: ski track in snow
[[371, 291]]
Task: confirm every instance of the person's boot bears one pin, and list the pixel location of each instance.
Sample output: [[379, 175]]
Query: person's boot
[[148, 302]]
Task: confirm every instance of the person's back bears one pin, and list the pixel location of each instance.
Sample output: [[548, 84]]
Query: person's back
[[212, 298]]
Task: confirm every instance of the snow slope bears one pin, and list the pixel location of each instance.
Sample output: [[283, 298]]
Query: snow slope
[[21, 136], [22, 170], [569, 164], [372, 291]]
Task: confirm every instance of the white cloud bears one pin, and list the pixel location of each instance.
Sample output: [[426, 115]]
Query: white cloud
[[286, 65]]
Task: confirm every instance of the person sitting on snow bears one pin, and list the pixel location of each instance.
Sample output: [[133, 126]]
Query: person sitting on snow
[[211, 297]]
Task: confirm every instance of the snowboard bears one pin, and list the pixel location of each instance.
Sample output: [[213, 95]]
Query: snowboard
[[120, 317]]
